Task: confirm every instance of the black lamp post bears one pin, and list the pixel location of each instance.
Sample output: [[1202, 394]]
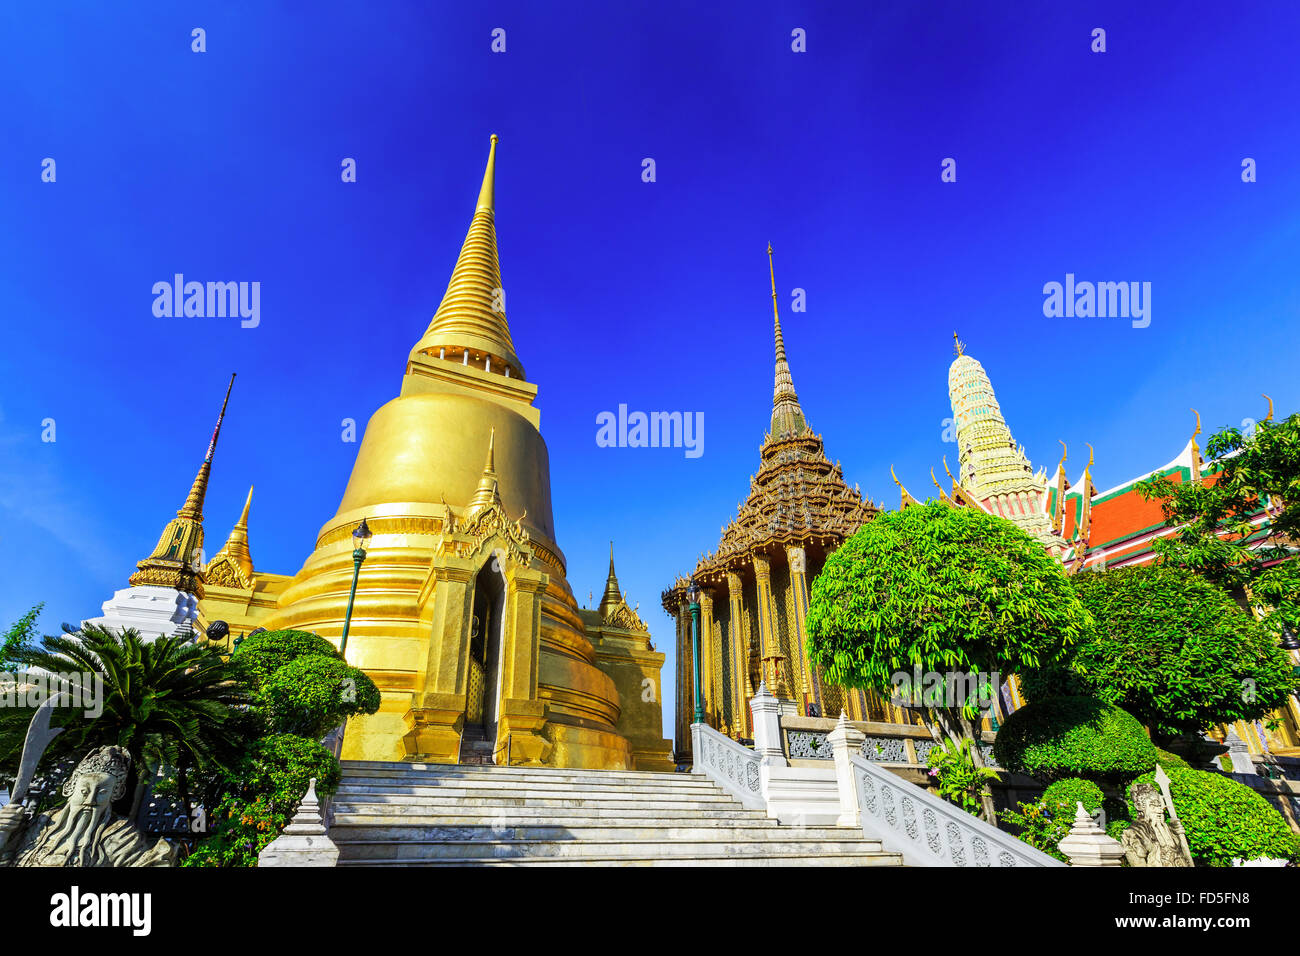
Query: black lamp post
[[360, 538], [693, 596]]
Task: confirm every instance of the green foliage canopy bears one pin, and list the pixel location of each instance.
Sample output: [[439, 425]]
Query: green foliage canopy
[[1060, 737], [1172, 649], [944, 589]]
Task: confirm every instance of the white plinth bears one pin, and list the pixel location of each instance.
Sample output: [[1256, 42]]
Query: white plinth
[[149, 608]]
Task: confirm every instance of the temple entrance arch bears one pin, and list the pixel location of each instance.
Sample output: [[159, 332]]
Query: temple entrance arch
[[486, 643]]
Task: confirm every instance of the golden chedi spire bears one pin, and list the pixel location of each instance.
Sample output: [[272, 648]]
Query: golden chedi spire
[[612, 596], [488, 493], [232, 566], [472, 316], [174, 560], [787, 415]]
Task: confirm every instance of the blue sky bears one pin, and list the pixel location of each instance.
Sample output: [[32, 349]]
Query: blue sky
[[1121, 166]]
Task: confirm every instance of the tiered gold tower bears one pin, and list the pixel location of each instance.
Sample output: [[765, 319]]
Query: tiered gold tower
[[754, 586], [463, 616]]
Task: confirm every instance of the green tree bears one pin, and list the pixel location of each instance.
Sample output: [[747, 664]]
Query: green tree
[[949, 591], [20, 636], [1250, 472], [161, 697], [1173, 650]]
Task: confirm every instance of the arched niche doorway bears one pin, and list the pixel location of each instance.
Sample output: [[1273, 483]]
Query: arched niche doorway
[[486, 639]]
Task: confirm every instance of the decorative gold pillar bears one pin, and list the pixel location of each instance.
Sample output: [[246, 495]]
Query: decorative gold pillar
[[685, 680], [711, 650], [798, 560], [741, 692], [770, 648]]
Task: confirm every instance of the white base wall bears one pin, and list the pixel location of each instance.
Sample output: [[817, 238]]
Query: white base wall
[[808, 796], [149, 608]]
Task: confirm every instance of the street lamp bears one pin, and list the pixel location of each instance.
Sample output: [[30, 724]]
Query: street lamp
[[693, 596], [360, 538]]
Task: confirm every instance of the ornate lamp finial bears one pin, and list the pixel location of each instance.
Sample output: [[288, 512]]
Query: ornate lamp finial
[[958, 345]]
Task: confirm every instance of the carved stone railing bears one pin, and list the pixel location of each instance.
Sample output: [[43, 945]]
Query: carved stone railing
[[929, 831], [732, 766]]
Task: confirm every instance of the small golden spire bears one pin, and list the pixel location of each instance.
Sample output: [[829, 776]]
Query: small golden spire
[[487, 494], [1269, 416], [235, 550], [907, 499], [1065, 452], [958, 345], [612, 595]]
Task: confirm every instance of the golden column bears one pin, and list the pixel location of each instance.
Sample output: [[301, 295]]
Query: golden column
[[740, 689], [769, 646], [711, 652], [798, 562], [685, 679]]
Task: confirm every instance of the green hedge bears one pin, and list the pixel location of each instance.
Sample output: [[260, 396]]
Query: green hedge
[[1225, 819], [261, 655], [308, 696], [1061, 737]]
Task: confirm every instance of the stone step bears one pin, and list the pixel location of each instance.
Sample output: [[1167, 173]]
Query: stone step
[[633, 802], [776, 859], [550, 816], [360, 767], [530, 790], [465, 850], [485, 775], [357, 831]]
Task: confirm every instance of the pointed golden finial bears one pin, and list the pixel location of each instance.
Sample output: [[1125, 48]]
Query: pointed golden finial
[[1198, 424], [907, 499], [487, 192], [1065, 453], [487, 494], [943, 495], [787, 416], [1269, 416], [958, 345], [235, 551]]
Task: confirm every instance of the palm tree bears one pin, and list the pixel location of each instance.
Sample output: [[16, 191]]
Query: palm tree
[[162, 699]]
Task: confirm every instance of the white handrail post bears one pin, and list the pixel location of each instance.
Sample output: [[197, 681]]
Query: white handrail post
[[846, 740], [767, 728]]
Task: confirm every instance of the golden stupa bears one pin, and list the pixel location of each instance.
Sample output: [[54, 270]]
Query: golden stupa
[[463, 616]]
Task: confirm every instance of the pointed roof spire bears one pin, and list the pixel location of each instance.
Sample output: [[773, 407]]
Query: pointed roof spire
[[787, 415], [199, 489], [235, 551], [612, 593], [472, 315], [173, 562], [488, 493]]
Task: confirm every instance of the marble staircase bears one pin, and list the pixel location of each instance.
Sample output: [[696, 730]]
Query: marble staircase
[[390, 814]]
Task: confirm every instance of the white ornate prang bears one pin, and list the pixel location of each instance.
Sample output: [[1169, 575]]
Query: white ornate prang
[[732, 766], [944, 835]]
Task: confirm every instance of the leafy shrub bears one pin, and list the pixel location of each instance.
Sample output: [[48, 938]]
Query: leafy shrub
[[1172, 649], [312, 695], [1225, 819], [262, 794], [1061, 737], [1046, 821], [959, 780], [261, 655], [1167, 760]]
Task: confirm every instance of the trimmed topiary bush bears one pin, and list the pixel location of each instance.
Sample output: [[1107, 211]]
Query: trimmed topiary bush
[[1063, 737], [1167, 760], [261, 655], [1226, 820], [310, 696]]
